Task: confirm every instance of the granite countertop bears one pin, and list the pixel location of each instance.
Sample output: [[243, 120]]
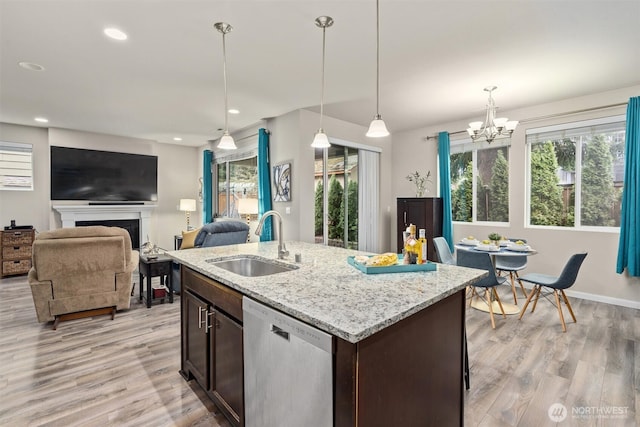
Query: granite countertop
[[327, 292]]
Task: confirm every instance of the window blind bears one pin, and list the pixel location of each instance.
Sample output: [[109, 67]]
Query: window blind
[[16, 168]]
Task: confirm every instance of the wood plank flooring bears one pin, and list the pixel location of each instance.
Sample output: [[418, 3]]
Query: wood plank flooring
[[99, 372]]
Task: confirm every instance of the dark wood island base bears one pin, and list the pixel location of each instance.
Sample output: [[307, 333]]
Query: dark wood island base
[[408, 374]]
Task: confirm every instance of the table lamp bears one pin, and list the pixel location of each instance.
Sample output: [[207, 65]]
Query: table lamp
[[248, 207], [187, 206]]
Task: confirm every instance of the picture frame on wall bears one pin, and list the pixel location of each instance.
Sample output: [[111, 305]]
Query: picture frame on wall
[[282, 182]]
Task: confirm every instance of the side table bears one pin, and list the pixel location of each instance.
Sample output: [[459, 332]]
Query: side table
[[154, 267]]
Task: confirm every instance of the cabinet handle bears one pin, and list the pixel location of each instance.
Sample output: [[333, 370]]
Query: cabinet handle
[[200, 321], [405, 217], [207, 324]]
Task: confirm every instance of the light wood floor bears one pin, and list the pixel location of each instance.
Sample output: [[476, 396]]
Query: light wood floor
[[99, 372]]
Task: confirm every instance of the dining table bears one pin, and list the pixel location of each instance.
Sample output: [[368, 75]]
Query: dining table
[[507, 249]]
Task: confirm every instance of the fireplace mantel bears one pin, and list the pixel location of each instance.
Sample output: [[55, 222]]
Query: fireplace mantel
[[69, 214]]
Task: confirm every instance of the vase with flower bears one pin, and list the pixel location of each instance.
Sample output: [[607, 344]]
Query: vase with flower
[[420, 182]]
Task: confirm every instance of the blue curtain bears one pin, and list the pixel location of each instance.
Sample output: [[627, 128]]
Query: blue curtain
[[629, 244], [207, 193], [264, 183], [445, 187]]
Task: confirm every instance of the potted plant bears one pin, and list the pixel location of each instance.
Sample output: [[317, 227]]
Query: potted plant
[[495, 238]]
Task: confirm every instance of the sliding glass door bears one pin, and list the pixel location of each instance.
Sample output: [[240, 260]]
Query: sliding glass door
[[336, 196]]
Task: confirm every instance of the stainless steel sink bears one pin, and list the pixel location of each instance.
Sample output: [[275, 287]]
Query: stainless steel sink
[[252, 267]]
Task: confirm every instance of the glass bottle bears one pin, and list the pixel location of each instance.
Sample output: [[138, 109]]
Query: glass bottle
[[423, 246], [412, 246]]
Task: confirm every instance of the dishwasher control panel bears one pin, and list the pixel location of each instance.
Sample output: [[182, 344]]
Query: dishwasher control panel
[[283, 324]]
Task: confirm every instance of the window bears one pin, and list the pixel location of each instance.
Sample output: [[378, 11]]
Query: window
[[483, 195], [16, 168], [236, 178], [576, 173], [337, 168]]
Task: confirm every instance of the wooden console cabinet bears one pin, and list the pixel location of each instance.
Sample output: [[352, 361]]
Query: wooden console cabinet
[[16, 251], [424, 212]]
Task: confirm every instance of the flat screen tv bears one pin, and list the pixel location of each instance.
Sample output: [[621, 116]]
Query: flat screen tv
[[103, 176]]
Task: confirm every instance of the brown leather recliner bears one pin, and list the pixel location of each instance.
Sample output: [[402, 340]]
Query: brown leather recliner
[[81, 271]]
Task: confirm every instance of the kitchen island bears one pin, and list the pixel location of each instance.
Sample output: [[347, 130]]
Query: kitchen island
[[397, 338]]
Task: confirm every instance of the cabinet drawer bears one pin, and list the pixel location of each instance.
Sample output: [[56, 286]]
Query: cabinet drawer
[[17, 238], [15, 252], [225, 298], [16, 267]]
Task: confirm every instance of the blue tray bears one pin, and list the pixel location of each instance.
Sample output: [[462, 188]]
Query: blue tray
[[397, 268]]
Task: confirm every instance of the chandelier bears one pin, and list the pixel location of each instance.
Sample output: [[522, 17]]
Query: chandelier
[[493, 127]]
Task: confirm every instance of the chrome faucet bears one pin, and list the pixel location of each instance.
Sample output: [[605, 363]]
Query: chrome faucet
[[282, 250]]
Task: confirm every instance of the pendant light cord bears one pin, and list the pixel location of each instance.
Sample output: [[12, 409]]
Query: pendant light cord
[[324, 29], [377, 58], [224, 73]]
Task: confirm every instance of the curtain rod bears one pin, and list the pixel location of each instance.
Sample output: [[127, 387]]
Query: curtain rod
[[550, 116], [253, 134]]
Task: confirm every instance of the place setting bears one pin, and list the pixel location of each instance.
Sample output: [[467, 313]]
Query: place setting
[[495, 243]]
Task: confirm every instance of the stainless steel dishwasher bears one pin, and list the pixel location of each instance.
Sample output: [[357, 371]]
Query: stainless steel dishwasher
[[288, 374]]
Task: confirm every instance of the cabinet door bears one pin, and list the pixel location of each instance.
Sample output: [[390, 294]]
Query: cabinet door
[[196, 344], [410, 211], [424, 212], [227, 370]]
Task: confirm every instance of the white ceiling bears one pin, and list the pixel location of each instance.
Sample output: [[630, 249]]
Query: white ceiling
[[436, 58]]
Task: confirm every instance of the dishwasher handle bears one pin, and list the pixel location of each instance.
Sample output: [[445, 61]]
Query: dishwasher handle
[[280, 332]]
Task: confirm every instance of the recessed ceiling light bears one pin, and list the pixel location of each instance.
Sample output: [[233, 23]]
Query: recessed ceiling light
[[41, 120], [31, 66], [233, 111], [115, 34], [177, 138]]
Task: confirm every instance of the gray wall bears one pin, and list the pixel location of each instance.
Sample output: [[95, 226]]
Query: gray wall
[[178, 172], [598, 279], [290, 141]]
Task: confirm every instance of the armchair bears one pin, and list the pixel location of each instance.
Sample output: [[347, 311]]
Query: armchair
[[80, 272]]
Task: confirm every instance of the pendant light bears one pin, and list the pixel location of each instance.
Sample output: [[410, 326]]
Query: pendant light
[[377, 128], [320, 140], [226, 142]]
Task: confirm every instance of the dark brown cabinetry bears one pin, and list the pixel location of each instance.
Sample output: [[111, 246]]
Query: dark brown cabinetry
[[408, 374], [212, 342], [15, 257], [424, 212]]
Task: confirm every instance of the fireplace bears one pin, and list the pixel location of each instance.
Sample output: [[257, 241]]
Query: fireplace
[[131, 225], [112, 215]]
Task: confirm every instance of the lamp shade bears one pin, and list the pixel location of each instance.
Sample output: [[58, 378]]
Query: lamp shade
[[248, 206], [227, 142], [320, 140], [188, 205], [377, 128]]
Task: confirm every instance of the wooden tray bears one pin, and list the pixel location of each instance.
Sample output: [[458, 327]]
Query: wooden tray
[[397, 268]]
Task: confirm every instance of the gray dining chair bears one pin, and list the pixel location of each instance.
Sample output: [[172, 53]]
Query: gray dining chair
[[482, 261], [556, 283], [512, 264], [443, 252]]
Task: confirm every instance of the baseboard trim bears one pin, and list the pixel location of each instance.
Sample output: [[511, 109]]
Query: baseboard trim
[[605, 299], [597, 298]]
